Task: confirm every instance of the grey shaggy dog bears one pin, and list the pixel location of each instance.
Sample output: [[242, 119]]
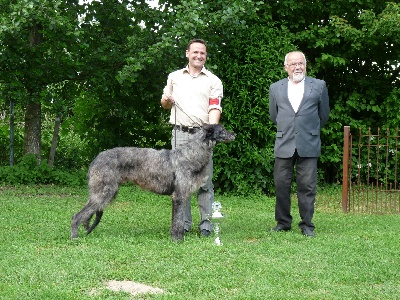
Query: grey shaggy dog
[[178, 172]]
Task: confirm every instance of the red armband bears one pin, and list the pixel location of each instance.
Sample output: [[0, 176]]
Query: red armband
[[214, 101]]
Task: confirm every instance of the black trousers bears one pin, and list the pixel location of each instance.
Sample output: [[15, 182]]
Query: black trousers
[[306, 179]]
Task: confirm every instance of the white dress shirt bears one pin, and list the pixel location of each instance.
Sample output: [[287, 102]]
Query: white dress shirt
[[295, 94]]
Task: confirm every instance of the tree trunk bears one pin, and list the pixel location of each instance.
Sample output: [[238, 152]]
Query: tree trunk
[[54, 142], [33, 129], [11, 133], [33, 113]]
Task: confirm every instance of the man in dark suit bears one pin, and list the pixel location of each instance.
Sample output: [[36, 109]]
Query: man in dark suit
[[299, 106]]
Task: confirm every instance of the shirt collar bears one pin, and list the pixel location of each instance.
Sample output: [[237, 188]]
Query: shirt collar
[[203, 70], [301, 82]]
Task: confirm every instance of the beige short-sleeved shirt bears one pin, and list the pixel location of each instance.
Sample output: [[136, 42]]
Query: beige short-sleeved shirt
[[193, 95]]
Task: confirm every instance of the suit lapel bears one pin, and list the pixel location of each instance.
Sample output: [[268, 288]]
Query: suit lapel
[[307, 91], [284, 91]]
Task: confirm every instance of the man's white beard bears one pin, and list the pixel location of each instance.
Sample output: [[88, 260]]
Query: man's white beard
[[298, 77]]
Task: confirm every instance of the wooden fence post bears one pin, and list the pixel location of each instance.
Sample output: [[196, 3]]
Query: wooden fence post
[[345, 183]]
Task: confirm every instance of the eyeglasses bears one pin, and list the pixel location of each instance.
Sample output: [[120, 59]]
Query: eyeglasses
[[294, 65]]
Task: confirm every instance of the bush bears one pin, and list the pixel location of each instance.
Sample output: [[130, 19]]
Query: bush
[[28, 171], [245, 166]]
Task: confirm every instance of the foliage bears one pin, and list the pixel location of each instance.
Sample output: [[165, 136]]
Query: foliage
[[240, 48], [108, 113], [388, 109], [354, 47], [29, 66], [102, 66], [248, 64], [5, 143], [72, 151], [28, 171], [375, 157], [37, 42], [132, 243]]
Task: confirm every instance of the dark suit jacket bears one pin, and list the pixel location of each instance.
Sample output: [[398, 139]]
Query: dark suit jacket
[[299, 130]]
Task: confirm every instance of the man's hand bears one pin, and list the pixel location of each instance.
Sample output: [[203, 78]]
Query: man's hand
[[167, 101]]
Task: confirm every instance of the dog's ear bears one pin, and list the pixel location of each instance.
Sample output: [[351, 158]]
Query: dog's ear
[[209, 129]]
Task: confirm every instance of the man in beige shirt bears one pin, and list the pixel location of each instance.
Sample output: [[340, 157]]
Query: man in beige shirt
[[194, 94]]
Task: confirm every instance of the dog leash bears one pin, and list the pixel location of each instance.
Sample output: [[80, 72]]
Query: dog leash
[[178, 106], [181, 109]]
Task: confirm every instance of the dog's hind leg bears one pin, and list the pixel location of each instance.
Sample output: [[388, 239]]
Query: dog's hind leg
[[82, 216], [86, 223], [178, 208], [99, 196], [96, 222]]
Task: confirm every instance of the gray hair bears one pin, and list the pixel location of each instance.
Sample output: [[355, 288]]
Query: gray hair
[[285, 62]]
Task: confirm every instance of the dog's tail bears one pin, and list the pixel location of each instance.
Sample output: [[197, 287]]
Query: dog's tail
[[99, 214]]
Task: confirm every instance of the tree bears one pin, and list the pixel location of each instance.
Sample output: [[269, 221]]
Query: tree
[[119, 108], [101, 66], [249, 64], [244, 51], [354, 46], [37, 37]]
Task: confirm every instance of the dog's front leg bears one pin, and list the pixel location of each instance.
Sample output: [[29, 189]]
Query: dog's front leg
[[178, 209]]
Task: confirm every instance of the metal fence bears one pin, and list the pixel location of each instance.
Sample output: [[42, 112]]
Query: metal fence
[[371, 171]]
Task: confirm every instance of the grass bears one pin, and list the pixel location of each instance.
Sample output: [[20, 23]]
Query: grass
[[354, 256]]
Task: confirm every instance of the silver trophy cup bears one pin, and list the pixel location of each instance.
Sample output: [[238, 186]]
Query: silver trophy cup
[[216, 219]]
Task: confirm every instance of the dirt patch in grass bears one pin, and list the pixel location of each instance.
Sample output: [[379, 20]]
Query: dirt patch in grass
[[130, 287]]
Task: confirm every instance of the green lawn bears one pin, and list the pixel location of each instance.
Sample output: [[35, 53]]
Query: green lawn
[[354, 256]]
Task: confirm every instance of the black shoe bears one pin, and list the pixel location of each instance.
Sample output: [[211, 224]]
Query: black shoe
[[280, 227], [308, 232], [205, 232]]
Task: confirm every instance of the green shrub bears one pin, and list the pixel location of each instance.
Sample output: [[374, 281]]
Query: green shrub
[[245, 166], [28, 171]]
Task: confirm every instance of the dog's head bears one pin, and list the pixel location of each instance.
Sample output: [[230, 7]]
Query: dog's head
[[217, 133]]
